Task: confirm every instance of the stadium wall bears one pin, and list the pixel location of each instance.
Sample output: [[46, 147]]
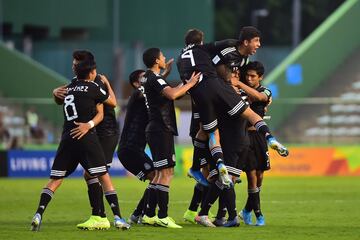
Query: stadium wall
[[23, 78], [315, 59], [303, 161]]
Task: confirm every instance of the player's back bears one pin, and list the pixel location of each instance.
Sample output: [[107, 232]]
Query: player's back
[[136, 119], [108, 126], [195, 58], [80, 103], [161, 110]]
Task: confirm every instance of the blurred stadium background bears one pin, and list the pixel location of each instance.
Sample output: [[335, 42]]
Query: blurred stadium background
[[310, 50]]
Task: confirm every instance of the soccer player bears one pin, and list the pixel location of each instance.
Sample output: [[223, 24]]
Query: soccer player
[[108, 133], [212, 97], [235, 141], [131, 150], [201, 158], [79, 105], [236, 52], [258, 157], [160, 131]]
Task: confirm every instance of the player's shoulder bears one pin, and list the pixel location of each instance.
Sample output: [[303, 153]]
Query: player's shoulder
[[99, 82], [229, 50], [151, 77], [264, 89]]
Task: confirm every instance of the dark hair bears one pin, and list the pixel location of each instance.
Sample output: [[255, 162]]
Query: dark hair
[[258, 67], [134, 76], [81, 55], [150, 55], [248, 33], [83, 68], [194, 36]]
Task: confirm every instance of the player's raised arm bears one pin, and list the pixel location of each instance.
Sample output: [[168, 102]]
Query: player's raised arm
[[253, 94], [168, 68]]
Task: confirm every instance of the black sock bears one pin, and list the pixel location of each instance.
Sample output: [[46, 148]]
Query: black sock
[[222, 206], [45, 198], [213, 193], [101, 203], [256, 206], [217, 154], [140, 207], [250, 200], [163, 200], [204, 194], [95, 195], [152, 201], [113, 201], [230, 200], [200, 150], [262, 128], [196, 198]]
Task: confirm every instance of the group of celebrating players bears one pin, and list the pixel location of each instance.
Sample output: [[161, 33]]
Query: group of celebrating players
[[227, 128]]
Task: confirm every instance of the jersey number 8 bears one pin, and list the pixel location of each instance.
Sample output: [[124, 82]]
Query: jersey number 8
[[69, 103]]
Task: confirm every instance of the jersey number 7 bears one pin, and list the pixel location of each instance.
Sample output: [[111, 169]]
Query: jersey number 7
[[189, 54]]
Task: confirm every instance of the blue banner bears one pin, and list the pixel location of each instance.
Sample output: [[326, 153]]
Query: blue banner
[[38, 164]]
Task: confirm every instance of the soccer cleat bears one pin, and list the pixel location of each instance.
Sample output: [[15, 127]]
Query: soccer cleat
[[134, 219], [198, 176], [36, 222], [204, 220], [260, 221], [274, 144], [94, 223], [148, 220], [167, 222], [219, 222], [232, 223], [224, 175], [245, 216], [120, 223], [189, 216]]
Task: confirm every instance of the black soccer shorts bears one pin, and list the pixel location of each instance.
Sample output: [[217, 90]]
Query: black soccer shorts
[[135, 161], [212, 96], [108, 144], [87, 151], [162, 149], [258, 153]]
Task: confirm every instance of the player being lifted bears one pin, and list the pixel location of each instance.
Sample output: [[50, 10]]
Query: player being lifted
[[79, 105], [160, 133], [212, 96], [108, 133]]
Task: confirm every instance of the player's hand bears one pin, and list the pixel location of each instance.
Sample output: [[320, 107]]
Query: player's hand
[[266, 107], [60, 92], [104, 79], [194, 78], [168, 67], [80, 130]]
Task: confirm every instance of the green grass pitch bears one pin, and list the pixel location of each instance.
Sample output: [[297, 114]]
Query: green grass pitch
[[294, 208]]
